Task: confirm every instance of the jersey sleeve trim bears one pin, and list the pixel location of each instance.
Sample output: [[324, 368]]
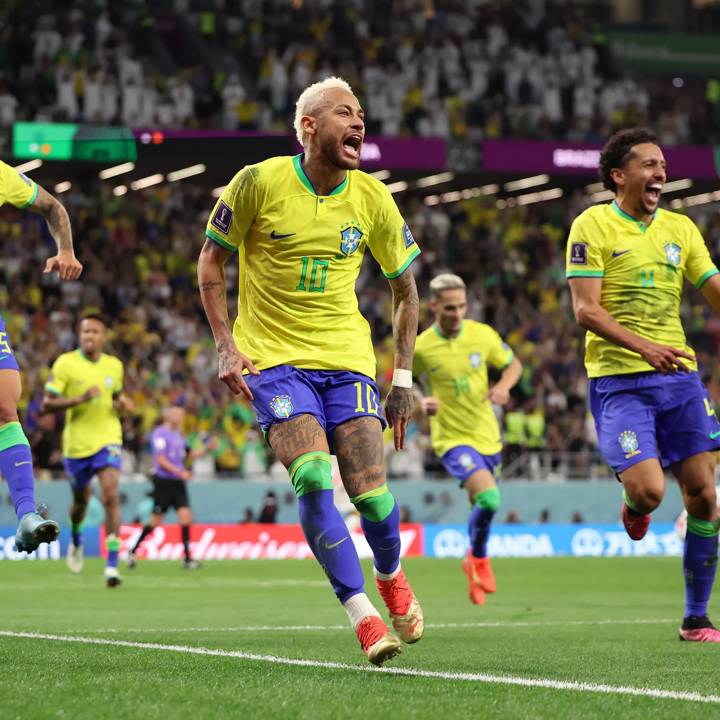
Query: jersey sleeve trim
[[705, 277], [52, 389], [508, 362], [584, 273], [404, 266], [220, 241], [32, 197]]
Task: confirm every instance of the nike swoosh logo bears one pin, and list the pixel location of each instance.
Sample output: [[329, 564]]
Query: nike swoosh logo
[[334, 545], [435, 369], [277, 236], [24, 462], [713, 435], [618, 254]]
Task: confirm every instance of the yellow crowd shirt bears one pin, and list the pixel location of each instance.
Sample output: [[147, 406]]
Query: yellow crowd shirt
[[642, 269], [300, 256], [15, 188], [456, 373], [92, 425]]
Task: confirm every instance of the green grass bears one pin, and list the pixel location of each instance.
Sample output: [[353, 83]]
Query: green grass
[[558, 619]]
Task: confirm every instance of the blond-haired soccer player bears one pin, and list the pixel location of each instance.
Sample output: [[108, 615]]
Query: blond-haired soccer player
[[626, 263], [88, 384], [301, 351], [451, 360], [15, 456]]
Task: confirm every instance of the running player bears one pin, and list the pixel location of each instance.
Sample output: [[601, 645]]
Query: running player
[[626, 262], [88, 384], [301, 226], [169, 453], [452, 357], [15, 456]]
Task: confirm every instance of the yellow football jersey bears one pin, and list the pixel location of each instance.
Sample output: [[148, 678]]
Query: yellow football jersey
[[300, 255], [456, 373], [642, 269], [91, 426], [16, 188]]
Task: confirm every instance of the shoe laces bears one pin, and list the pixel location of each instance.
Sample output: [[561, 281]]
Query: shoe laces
[[371, 630], [395, 593]]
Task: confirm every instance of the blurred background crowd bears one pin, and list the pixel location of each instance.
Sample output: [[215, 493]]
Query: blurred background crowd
[[468, 69], [455, 69]]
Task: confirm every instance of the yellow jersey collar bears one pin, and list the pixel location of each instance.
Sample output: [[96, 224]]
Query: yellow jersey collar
[[621, 213], [305, 180], [437, 330]]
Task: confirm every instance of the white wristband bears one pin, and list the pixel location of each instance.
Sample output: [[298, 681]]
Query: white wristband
[[402, 378]]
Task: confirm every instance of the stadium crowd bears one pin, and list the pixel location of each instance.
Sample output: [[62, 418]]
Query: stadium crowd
[[454, 69], [140, 251]]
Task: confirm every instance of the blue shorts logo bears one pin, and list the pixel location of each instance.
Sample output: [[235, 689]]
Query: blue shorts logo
[[114, 451], [466, 460], [282, 406], [673, 253], [475, 359], [629, 443], [350, 239]]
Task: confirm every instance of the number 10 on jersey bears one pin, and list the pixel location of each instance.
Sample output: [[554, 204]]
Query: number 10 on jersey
[[319, 267]]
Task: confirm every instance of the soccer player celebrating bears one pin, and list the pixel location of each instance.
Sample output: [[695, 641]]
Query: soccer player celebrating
[[626, 262], [169, 452], [301, 351], [452, 356], [88, 384], [15, 456]]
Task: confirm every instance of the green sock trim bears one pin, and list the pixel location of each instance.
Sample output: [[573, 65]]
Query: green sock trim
[[488, 499], [112, 543], [11, 434], [375, 505], [703, 528], [77, 527], [311, 472], [631, 504]]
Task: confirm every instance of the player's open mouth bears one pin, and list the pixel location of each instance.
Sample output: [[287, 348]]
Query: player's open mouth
[[652, 191], [351, 145]]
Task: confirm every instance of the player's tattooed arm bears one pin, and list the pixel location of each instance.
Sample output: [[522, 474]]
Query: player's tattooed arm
[[399, 402], [64, 263], [211, 281]]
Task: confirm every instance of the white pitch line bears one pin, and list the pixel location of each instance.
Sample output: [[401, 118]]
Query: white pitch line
[[430, 626], [546, 683]]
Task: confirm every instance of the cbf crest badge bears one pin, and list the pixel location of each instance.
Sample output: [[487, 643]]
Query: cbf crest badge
[[466, 460], [475, 359], [629, 443], [673, 254], [282, 406], [350, 239]]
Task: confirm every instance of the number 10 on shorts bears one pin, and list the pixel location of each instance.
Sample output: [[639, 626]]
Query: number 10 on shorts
[[371, 405]]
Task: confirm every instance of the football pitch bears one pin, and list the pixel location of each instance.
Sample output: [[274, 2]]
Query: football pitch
[[562, 638]]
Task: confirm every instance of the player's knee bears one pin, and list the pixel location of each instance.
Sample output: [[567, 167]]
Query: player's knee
[[488, 499], [311, 472], [375, 505], [111, 501], [650, 498]]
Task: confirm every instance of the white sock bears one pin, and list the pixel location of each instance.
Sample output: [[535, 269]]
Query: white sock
[[359, 607], [386, 576]]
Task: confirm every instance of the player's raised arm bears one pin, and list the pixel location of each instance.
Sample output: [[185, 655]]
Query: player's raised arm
[[400, 399], [591, 315], [67, 266], [211, 281]]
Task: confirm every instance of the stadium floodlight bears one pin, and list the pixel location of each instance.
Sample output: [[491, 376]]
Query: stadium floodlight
[[63, 186], [701, 199], [491, 189], [536, 197], [432, 200], [675, 185], [602, 196], [186, 172], [29, 165], [381, 174], [397, 187], [676, 204], [434, 179], [119, 190], [594, 188], [147, 181], [527, 182], [116, 170], [452, 196], [218, 191]]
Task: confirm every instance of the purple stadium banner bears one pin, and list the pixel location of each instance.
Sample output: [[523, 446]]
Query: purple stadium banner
[[531, 156]]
